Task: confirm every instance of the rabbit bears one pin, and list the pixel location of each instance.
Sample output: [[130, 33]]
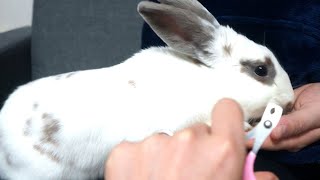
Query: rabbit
[[64, 126]]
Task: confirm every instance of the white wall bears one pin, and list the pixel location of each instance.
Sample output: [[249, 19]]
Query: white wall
[[15, 13]]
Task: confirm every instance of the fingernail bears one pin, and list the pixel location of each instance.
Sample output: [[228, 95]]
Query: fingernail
[[279, 132]]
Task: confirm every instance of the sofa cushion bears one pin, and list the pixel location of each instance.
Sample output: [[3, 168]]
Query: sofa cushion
[[15, 60], [81, 34]]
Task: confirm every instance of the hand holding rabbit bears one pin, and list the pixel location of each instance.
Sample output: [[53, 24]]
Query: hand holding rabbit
[[301, 127], [198, 152]]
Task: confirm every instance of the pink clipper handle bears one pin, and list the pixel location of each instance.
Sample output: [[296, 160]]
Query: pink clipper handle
[[248, 172]]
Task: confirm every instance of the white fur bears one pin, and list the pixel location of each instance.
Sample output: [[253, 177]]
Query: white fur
[[156, 89]]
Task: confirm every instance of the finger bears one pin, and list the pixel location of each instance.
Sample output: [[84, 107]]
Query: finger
[[189, 138], [264, 175], [195, 131], [155, 141], [249, 143], [227, 129], [227, 120], [150, 154], [299, 90], [293, 143], [120, 150], [296, 123], [119, 161]]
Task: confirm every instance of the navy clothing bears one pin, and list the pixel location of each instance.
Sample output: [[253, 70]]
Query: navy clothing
[[291, 29]]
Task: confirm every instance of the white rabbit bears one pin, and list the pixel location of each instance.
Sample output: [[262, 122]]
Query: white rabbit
[[62, 127]]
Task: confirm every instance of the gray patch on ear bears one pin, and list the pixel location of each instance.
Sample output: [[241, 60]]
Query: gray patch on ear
[[195, 7], [249, 66], [50, 128], [180, 29]]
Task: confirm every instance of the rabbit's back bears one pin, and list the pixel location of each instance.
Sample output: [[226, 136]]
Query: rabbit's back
[[70, 121]]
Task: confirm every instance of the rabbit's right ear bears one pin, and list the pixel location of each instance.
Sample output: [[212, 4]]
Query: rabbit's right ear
[[188, 31]]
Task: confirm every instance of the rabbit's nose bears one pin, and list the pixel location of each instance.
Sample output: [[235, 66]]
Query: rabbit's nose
[[288, 108]]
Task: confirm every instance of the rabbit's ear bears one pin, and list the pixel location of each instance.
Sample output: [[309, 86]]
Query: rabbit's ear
[[182, 29], [193, 6]]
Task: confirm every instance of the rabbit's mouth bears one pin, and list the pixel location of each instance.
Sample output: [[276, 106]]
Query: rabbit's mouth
[[254, 121]]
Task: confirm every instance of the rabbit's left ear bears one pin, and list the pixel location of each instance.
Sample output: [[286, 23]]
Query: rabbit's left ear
[[182, 27], [193, 6]]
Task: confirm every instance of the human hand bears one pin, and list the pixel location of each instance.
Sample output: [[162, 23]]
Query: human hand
[[199, 152], [301, 127]]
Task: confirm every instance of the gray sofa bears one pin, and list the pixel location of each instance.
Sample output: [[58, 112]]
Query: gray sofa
[[67, 36]]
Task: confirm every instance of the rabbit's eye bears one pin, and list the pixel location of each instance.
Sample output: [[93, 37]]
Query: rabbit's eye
[[261, 70]]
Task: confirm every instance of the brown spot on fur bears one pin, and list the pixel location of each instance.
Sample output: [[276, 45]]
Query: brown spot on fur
[[7, 156], [132, 83], [70, 74], [65, 75], [50, 128], [1, 141], [227, 49], [8, 160], [58, 77], [71, 163], [50, 154], [45, 116], [196, 62], [39, 149], [27, 128], [35, 106]]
